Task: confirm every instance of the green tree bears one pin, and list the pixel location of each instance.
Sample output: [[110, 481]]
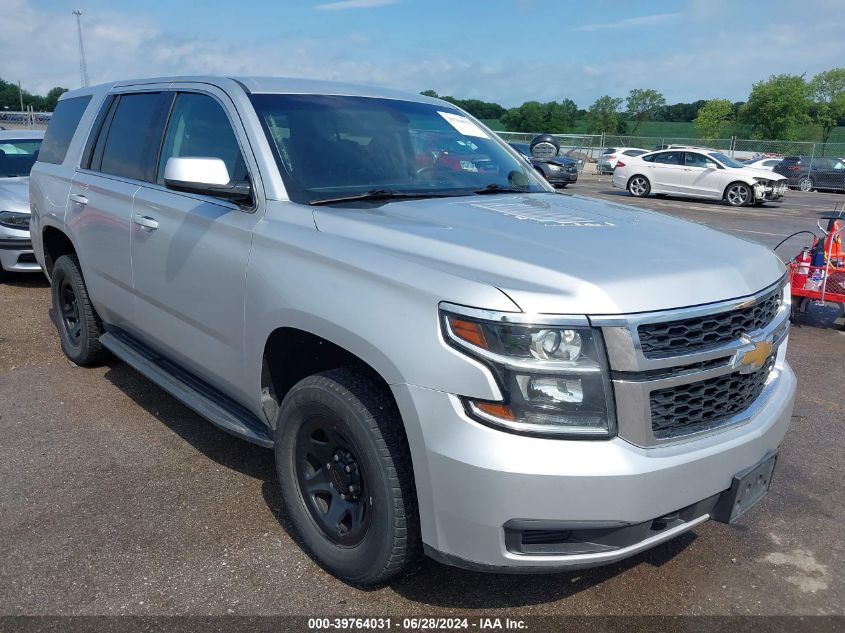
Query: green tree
[[52, 98], [827, 90], [713, 118], [642, 103], [777, 107], [604, 116], [429, 93], [533, 116]]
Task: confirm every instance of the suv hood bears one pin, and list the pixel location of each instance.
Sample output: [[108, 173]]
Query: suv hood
[[563, 254]]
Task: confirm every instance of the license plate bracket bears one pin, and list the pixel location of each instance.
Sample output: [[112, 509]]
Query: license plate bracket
[[747, 489]]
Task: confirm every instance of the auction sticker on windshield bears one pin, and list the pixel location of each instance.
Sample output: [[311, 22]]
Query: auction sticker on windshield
[[463, 125]]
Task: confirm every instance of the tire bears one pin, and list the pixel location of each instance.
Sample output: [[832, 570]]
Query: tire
[[738, 194], [342, 417], [77, 322], [806, 184], [639, 186]]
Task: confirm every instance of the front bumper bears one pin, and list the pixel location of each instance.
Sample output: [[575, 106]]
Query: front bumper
[[562, 177], [474, 483], [769, 192], [16, 255]]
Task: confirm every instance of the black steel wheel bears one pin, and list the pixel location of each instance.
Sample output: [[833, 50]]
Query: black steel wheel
[[331, 482], [75, 318], [346, 477]]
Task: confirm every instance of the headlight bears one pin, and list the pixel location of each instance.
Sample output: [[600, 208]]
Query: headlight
[[15, 220], [554, 167], [763, 181], [554, 378]]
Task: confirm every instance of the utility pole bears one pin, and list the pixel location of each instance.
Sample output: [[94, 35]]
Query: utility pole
[[20, 92], [83, 67]]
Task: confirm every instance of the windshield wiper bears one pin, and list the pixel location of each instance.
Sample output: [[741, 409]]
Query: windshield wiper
[[494, 188], [381, 194]]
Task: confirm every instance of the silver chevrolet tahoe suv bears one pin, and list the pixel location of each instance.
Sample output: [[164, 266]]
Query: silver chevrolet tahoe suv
[[445, 355]]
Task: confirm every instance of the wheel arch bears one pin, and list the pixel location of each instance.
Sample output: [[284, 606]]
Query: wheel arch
[[55, 243], [291, 354]]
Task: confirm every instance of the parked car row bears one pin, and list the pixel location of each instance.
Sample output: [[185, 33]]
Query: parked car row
[[808, 173]]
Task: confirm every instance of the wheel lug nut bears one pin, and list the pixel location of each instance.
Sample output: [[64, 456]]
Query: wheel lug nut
[[337, 458], [349, 469], [343, 496]]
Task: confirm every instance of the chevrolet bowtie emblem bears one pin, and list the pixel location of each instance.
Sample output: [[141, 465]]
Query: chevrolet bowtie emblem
[[753, 359]]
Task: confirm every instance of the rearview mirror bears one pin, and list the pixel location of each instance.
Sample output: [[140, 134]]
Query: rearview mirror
[[205, 176]]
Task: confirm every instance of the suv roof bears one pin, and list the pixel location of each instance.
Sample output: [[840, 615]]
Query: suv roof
[[264, 85]]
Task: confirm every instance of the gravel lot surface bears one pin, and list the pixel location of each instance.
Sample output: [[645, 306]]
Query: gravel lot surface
[[116, 499]]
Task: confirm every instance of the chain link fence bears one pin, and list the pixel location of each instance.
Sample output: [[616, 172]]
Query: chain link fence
[[587, 148], [577, 146], [24, 120]]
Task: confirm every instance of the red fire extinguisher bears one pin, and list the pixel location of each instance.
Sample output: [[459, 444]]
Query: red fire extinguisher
[[803, 271]]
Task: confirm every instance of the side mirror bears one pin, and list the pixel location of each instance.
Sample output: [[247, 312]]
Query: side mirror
[[712, 165], [206, 176]]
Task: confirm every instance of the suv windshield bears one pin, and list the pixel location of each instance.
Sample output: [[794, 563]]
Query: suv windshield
[[329, 146], [726, 161], [17, 156]]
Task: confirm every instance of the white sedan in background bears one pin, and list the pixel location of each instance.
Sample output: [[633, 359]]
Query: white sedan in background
[[698, 174], [607, 161], [765, 162]]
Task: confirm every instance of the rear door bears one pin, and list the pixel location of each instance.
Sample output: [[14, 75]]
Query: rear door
[[664, 172], [189, 272], [119, 157]]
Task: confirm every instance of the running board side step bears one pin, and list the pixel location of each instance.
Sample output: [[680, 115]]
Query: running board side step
[[221, 411]]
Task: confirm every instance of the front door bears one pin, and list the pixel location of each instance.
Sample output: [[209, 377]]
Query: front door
[[701, 176], [190, 252]]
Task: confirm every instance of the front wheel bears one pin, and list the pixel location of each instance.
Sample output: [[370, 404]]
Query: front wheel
[[639, 187], [346, 476], [806, 184], [739, 195]]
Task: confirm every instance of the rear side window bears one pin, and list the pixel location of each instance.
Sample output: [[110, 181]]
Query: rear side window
[[130, 144], [62, 127], [199, 128], [649, 158], [670, 158]]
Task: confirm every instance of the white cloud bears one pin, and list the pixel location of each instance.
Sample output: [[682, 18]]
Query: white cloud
[[39, 48], [353, 4], [631, 23]]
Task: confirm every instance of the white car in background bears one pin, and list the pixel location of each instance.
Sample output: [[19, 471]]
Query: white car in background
[[764, 162], [698, 174], [607, 161]]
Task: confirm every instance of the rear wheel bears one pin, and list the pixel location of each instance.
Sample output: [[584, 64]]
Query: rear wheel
[[346, 477], [739, 194], [76, 320], [806, 184], [639, 186]]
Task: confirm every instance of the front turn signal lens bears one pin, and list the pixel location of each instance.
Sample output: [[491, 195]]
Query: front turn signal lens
[[470, 331]]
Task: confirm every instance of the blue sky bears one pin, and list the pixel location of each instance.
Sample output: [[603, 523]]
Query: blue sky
[[502, 50]]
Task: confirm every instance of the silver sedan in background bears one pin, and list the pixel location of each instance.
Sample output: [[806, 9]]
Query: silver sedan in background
[[18, 152]]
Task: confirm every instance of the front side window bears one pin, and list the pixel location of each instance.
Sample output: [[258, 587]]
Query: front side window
[[199, 128], [694, 159], [328, 146], [61, 129], [17, 156], [724, 160], [132, 138]]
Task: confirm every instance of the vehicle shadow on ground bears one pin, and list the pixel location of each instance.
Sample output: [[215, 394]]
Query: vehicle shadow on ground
[[24, 280], [428, 582]]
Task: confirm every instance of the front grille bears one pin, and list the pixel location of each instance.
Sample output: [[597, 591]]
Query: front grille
[[697, 334], [706, 404]]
